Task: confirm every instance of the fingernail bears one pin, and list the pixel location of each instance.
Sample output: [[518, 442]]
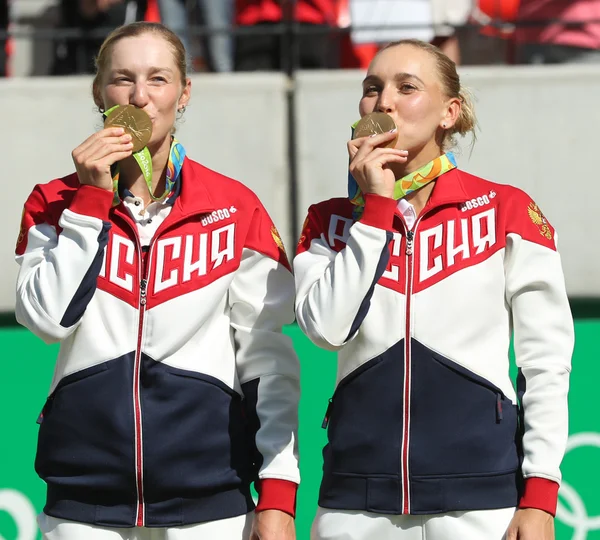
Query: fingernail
[[374, 135], [393, 130]]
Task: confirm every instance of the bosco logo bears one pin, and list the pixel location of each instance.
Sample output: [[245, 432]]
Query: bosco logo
[[218, 215], [478, 201], [578, 492]]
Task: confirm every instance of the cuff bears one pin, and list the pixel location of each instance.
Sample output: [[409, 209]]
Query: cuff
[[540, 493], [92, 201], [275, 494], [379, 211]]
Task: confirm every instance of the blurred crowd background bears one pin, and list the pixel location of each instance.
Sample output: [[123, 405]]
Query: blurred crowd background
[[61, 37]]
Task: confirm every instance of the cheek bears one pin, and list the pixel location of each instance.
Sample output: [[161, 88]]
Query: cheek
[[366, 105], [418, 108], [112, 95]]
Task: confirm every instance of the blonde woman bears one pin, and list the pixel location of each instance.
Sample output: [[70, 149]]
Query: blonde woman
[[418, 279], [174, 388]]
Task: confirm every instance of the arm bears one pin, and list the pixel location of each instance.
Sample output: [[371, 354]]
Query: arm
[[58, 270], [261, 298], [543, 338], [334, 289]]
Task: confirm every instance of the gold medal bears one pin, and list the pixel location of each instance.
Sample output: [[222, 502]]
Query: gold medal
[[375, 124], [135, 121]]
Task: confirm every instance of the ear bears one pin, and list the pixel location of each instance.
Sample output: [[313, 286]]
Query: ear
[[185, 94], [451, 113], [97, 95]]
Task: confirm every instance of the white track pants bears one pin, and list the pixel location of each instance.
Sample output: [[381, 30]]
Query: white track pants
[[237, 528], [354, 525]]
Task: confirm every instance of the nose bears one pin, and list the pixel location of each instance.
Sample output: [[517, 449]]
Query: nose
[[385, 103], [139, 95]]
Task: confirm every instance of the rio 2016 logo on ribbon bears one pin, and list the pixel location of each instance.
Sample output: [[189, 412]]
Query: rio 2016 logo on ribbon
[[576, 516], [20, 509]]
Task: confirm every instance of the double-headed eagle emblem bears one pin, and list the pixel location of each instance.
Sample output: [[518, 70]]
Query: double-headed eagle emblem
[[536, 216]]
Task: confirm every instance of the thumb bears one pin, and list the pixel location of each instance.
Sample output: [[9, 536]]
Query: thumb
[[512, 533]]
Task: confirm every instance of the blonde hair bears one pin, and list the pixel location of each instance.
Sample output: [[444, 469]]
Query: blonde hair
[[134, 30], [466, 121]]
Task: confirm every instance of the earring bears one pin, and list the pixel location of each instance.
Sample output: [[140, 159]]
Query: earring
[[444, 126], [182, 110]]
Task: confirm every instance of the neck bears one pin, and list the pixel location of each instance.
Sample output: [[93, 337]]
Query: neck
[[423, 156], [131, 176]]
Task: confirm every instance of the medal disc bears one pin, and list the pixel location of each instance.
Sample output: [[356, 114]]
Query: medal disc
[[135, 121], [374, 124]]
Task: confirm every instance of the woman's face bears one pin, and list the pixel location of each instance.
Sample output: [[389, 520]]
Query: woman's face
[[403, 81], [142, 71]]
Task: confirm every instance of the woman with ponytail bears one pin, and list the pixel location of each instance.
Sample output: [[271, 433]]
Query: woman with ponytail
[[419, 279], [166, 285]]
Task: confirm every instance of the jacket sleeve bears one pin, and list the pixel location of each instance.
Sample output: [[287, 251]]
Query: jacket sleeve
[[334, 283], [543, 341], [261, 299], [60, 262]]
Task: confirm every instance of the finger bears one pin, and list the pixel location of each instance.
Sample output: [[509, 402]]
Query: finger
[[112, 157], [102, 134], [368, 144], [371, 141], [375, 157], [376, 139], [104, 147]]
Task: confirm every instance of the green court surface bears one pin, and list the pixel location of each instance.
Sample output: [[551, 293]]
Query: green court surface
[[27, 365]]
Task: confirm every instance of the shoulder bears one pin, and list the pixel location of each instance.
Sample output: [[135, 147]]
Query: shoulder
[[502, 193], [51, 198], [58, 189], [331, 217], [517, 211], [222, 189], [339, 206]]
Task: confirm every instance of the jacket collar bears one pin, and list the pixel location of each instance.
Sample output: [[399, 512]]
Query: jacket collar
[[449, 189], [192, 195]]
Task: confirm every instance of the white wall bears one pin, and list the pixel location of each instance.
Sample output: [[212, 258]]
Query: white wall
[[538, 131]]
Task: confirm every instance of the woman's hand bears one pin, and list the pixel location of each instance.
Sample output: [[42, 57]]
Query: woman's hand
[[96, 154], [531, 524], [273, 525], [369, 164]]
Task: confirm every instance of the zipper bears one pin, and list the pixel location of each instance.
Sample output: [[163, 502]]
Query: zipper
[[407, 373], [144, 265], [410, 245], [137, 405]]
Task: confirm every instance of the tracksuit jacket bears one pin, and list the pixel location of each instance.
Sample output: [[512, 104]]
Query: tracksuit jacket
[[424, 418], [174, 387]]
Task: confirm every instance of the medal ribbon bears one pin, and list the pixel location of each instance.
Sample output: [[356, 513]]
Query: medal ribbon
[[144, 160], [407, 184]]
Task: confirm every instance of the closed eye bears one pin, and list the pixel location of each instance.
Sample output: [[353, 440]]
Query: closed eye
[[371, 89]]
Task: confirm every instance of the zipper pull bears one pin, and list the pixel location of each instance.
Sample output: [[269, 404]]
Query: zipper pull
[[499, 413], [409, 242], [143, 285], [327, 414]]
